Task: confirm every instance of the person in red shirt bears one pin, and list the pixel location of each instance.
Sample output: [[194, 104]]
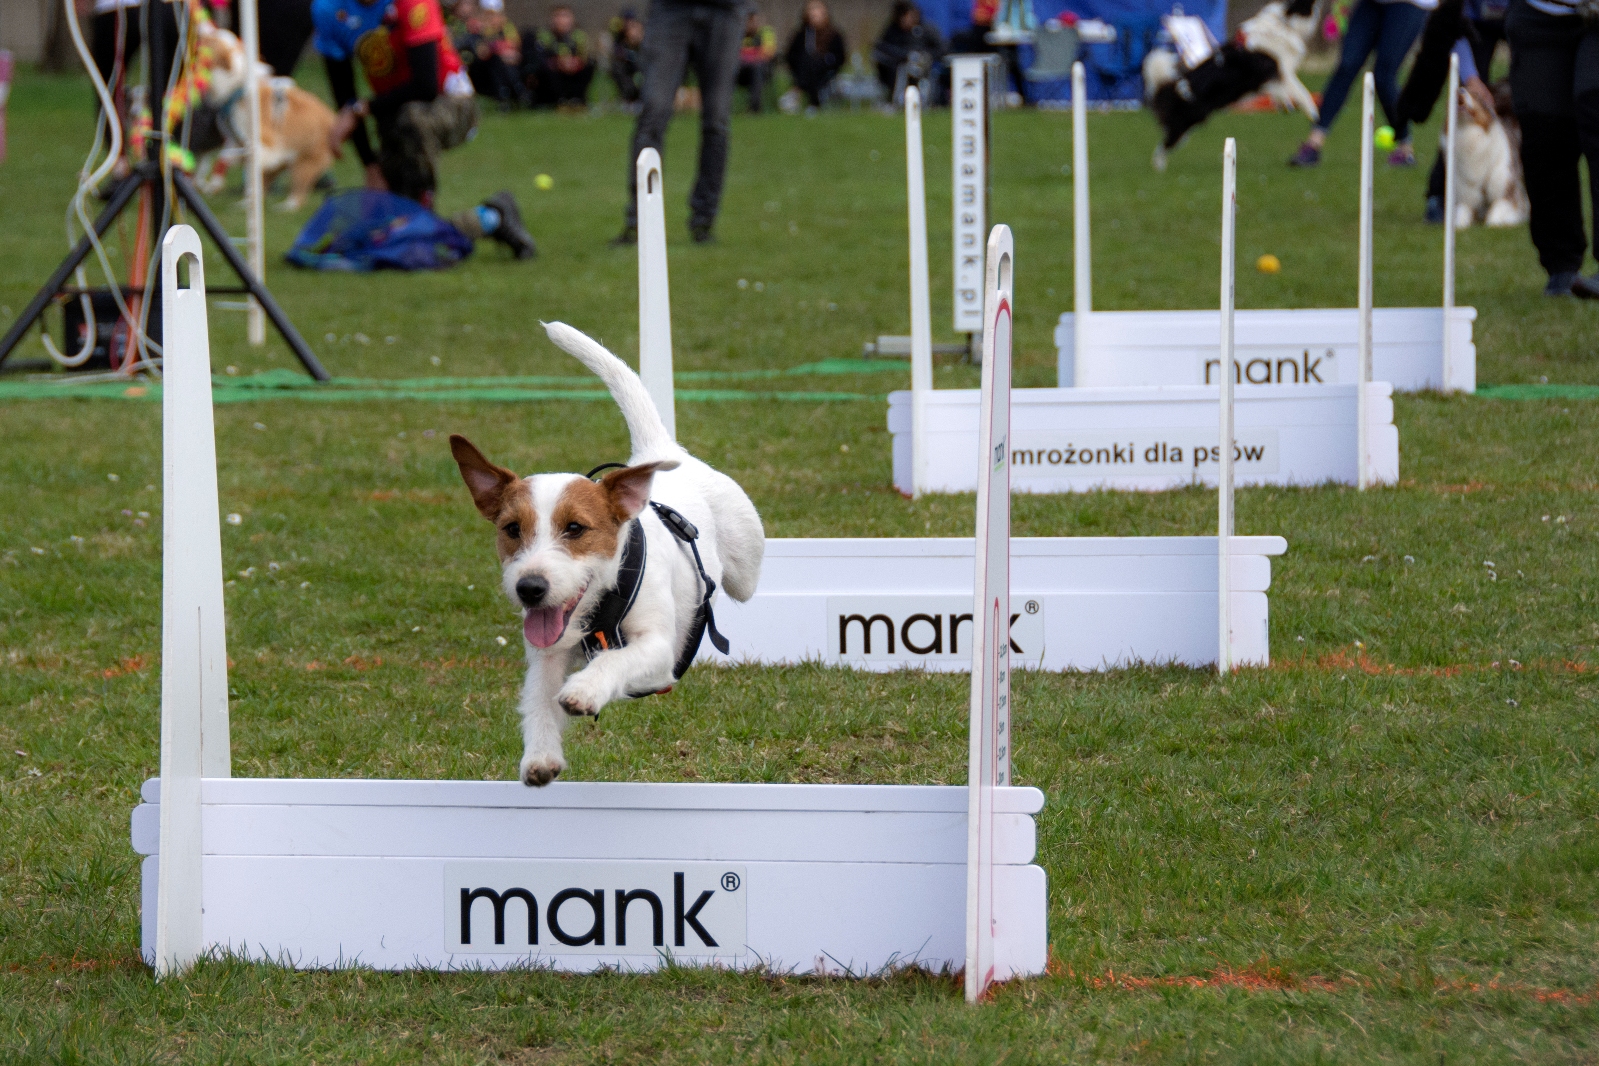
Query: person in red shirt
[[422, 103]]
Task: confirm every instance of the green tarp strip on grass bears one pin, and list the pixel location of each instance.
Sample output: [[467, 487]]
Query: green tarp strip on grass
[[1538, 392]]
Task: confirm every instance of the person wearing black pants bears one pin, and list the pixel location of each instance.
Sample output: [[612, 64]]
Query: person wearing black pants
[[1554, 84], [706, 33]]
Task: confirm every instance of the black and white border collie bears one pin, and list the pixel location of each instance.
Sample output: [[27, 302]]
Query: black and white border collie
[[1264, 56]]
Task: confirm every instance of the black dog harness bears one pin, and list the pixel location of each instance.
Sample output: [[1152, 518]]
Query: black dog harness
[[603, 630]]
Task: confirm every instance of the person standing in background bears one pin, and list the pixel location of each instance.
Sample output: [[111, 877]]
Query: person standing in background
[[627, 58], [678, 33], [755, 54], [1554, 87], [1388, 28], [815, 53]]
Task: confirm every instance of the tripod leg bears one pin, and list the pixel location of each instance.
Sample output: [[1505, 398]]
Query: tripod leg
[[120, 198], [202, 212]]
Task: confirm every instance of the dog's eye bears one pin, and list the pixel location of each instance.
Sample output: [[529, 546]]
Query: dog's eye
[[512, 530], [575, 529]]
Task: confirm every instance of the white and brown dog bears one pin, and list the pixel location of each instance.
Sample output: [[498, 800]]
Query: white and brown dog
[[614, 577], [1488, 182], [294, 123], [1264, 56]]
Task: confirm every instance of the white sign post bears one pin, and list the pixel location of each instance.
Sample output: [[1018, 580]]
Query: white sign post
[[969, 86], [921, 308], [654, 297], [194, 654], [1451, 116], [1082, 248], [1368, 95], [1224, 485], [988, 764]]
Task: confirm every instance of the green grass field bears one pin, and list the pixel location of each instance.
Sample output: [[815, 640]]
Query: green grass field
[[1381, 848]]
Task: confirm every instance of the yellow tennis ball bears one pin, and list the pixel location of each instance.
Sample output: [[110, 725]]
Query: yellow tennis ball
[[1385, 138], [1268, 264], [544, 182]]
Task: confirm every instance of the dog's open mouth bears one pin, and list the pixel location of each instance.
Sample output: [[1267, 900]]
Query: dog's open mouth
[[543, 627]]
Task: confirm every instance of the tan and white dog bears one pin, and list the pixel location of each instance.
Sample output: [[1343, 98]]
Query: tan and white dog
[[294, 123], [1488, 180], [562, 539]]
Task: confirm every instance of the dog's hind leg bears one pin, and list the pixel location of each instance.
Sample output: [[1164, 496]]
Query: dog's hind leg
[[543, 721]]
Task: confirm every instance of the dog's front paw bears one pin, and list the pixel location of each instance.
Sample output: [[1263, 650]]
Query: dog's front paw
[[580, 697], [540, 770]]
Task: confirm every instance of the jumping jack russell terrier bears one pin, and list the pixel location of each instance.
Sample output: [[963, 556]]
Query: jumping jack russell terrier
[[614, 575]]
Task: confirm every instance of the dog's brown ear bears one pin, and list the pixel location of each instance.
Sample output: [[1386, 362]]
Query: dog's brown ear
[[484, 480], [629, 488]]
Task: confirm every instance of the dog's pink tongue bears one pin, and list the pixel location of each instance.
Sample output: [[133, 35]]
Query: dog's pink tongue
[[544, 627]]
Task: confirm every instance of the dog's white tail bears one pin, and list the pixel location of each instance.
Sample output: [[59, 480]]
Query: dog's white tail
[[651, 441]]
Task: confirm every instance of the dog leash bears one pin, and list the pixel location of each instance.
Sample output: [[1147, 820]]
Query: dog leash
[[603, 630]]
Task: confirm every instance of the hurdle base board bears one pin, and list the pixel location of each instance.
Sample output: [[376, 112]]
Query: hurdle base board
[[838, 879], [1082, 603], [1289, 435], [1288, 347]]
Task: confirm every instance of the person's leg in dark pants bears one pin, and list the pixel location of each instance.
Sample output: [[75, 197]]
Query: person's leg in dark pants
[[1401, 24], [1543, 68], [1360, 37], [1585, 92], [715, 59], [667, 36]]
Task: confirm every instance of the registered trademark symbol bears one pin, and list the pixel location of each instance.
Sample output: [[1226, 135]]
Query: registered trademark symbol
[[730, 881], [1032, 607]]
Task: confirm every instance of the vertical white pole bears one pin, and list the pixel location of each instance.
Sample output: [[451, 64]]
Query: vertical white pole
[[1451, 116], [654, 296], [921, 306], [1367, 98], [989, 751], [969, 156], [1224, 483], [1082, 249], [254, 193], [194, 655]]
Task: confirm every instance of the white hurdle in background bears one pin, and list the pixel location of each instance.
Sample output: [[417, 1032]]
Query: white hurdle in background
[[969, 192], [489, 874], [254, 185], [1451, 116], [654, 294], [921, 304], [1224, 479], [988, 764], [1368, 92], [1082, 243]]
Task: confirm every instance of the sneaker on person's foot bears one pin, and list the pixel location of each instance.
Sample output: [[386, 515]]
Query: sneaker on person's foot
[[510, 232], [700, 232], [1561, 284], [1435, 210], [1585, 288], [626, 239], [1307, 156], [1402, 156]]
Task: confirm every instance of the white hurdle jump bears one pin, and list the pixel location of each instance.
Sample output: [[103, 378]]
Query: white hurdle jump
[[578, 875], [1412, 348]]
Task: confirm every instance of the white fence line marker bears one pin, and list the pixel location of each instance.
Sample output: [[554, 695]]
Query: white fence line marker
[[654, 295], [1368, 95], [988, 763], [1082, 249], [969, 117], [921, 305], [254, 190], [194, 656], [1451, 117], [1224, 484]]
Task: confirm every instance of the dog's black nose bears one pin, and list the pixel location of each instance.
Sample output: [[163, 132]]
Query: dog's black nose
[[531, 590]]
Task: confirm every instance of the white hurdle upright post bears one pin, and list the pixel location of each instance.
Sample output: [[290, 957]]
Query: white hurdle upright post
[[921, 306], [1082, 249], [988, 764], [1368, 96], [969, 151], [1451, 116], [654, 296], [194, 654], [254, 186], [1224, 483]]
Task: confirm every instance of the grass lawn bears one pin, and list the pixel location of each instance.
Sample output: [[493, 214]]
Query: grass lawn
[[1382, 848]]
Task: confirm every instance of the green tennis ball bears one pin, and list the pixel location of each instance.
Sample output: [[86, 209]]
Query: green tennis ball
[[1385, 138], [545, 183]]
